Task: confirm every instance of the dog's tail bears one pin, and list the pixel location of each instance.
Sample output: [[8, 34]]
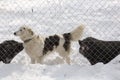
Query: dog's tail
[[77, 33]]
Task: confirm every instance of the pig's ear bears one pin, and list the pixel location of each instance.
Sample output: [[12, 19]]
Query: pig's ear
[[80, 42]]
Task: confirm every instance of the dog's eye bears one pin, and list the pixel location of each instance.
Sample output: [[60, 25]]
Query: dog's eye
[[21, 30]]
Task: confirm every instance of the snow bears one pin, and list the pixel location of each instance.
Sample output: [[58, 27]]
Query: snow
[[59, 72], [47, 17]]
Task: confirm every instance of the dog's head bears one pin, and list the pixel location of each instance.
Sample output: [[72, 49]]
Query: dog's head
[[24, 32]]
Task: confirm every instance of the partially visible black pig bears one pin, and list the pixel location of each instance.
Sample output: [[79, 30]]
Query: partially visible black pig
[[9, 49], [99, 51]]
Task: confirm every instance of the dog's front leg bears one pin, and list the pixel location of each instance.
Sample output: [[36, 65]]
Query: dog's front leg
[[32, 61]]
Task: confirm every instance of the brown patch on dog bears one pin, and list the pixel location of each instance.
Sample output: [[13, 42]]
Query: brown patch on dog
[[50, 43], [67, 37]]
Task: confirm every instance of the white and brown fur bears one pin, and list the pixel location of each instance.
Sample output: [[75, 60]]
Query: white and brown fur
[[37, 47]]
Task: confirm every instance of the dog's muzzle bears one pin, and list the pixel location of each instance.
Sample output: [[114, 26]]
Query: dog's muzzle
[[15, 33]]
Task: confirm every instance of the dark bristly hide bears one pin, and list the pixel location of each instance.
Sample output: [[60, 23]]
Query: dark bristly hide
[[9, 49], [99, 51]]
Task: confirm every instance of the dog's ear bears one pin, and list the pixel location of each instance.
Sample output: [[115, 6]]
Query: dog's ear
[[30, 31]]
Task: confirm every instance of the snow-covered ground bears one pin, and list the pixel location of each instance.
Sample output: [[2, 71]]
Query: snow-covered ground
[[47, 17]]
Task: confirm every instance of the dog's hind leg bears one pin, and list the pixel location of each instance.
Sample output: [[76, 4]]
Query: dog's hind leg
[[67, 59], [40, 59]]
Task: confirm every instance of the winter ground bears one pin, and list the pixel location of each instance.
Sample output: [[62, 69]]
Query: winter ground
[[48, 17]]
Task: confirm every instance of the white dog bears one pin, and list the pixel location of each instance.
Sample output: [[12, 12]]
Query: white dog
[[38, 46]]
